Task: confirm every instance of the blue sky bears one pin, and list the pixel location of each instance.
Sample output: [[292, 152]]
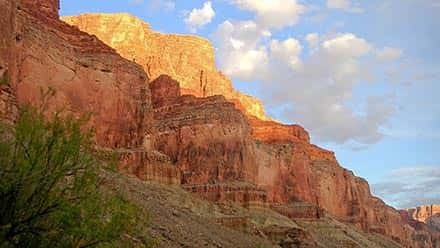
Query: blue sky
[[362, 76]]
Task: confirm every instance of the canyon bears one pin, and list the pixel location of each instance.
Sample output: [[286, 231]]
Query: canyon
[[159, 102]]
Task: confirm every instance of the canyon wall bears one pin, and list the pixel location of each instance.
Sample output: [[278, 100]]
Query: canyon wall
[[202, 141], [295, 172], [209, 140], [187, 59], [39, 52], [224, 156]]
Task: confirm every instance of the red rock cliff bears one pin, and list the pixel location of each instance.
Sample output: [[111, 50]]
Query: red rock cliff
[[209, 140], [38, 51], [295, 172], [205, 143], [423, 217], [187, 59]]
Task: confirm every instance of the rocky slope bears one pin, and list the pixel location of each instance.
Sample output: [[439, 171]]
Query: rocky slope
[[261, 174], [187, 59], [171, 211]]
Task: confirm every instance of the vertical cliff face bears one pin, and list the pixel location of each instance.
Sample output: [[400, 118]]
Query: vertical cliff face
[[8, 105], [301, 179], [87, 75], [43, 7], [209, 140], [187, 59], [38, 52]]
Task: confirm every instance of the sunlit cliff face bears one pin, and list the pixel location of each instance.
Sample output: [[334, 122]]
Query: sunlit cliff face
[[188, 59]]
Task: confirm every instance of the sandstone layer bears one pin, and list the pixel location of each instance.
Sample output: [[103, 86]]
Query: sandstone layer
[[301, 179], [187, 59], [209, 140]]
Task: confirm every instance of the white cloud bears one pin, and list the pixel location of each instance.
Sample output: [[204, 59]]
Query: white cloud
[[273, 13], [314, 90], [389, 54], [410, 187], [345, 5], [240, 53], [287, 51], [346, 46], [198, 18], [312, 39]]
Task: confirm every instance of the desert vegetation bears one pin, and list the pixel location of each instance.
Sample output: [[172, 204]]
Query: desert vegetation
[[50, 193]]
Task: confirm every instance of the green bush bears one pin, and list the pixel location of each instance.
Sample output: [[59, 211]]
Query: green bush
[[49, 194]]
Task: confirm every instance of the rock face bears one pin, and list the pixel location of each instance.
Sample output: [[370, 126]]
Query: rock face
[[204, 143], [301, 179], [187, 59], [87, 75], [423, 217], [38, 51], [209, 140], [423, 213]]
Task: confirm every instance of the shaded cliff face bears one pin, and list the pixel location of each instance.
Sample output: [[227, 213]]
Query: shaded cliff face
[[208, 138], [38, 52], [187, 59], [87, 75]]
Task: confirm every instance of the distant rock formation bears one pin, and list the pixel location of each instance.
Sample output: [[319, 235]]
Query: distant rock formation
[[428, 215]]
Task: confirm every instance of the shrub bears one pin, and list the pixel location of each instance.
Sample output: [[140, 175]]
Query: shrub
[[49, 194]]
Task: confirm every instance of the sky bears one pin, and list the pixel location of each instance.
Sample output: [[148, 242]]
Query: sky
[[362, 76]]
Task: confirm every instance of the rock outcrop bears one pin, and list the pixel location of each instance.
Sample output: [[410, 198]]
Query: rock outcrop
[[209, 140], [301, 179], [423, 217], [40, 52], [187, 59], [87, 75], [423, 213]]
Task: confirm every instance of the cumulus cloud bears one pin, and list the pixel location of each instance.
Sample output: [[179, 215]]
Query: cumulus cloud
[[198, 18], [316, 90], [345, 5], [410, 187], [273, 13], [240, 53], [287, 51], [388, 54], [312, 39]]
